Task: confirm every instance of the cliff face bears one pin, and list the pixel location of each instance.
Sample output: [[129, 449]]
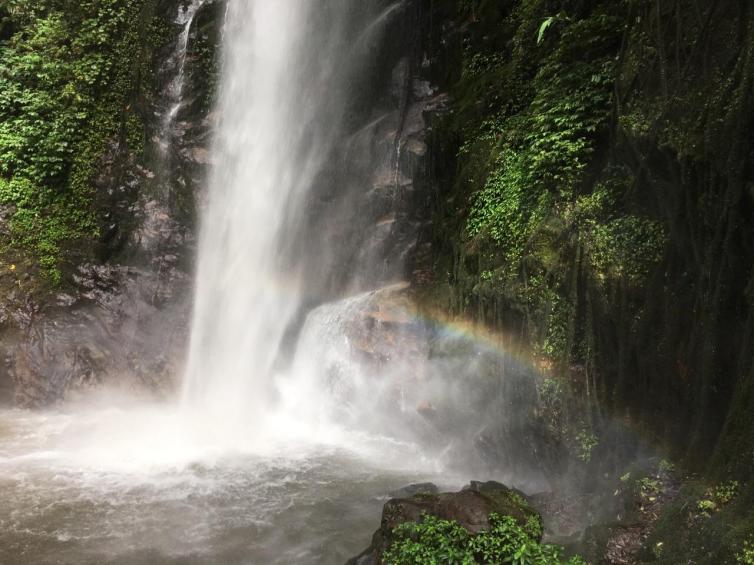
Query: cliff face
[[97, 227], [595, 190]]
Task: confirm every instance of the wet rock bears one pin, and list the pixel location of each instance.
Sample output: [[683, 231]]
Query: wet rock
[[470, 507], [99, 332], [6, 214], [200, 155], [373, 330]]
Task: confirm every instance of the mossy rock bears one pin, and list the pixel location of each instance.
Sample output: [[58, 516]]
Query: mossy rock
[[685, 532], [471, 508]]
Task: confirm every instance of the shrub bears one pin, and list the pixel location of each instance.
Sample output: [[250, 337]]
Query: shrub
[[438, 541]]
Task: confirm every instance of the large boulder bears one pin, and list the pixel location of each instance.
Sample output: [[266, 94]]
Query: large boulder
[[471, 508]]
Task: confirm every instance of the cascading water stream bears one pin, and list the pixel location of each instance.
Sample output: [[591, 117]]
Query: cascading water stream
[[177, 62], [280, 111], [287, 79]]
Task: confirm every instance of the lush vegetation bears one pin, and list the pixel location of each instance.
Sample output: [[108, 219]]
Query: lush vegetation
[[533, 118], [68, 70], [596, 190], [434, 541], [595, 202]]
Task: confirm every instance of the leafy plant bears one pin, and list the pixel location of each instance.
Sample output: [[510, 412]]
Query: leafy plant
[[706, 507], [648, 487], [717, 497], [666, 466], [547, 23], [437, 541], [726, 492], [586, 442]]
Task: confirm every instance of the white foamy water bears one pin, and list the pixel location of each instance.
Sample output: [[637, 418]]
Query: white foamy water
[[135, 485]]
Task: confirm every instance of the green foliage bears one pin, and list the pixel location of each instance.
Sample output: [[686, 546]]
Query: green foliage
[[648, 488], [726, 492], [438, 541], [542, 156], [548, 22], [666, 466], [431, 541], [547, 208], [543, 28], [65, 74], [527, 159], [586, 441], [717, 497], [746, 555], [625, 247], [706, 507]]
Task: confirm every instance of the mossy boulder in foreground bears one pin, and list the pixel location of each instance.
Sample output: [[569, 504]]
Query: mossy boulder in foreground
[[470, 508]]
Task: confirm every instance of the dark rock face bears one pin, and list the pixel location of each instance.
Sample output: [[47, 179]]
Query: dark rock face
[[470, 507], [415, 489], [120, 324], [368, 203]]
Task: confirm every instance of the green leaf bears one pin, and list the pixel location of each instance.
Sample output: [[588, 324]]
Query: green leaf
[[543, 28]]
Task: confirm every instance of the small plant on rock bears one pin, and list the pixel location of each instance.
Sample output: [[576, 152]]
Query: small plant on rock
[[725, 492], [717, 497], [666, 466], [706, 507]]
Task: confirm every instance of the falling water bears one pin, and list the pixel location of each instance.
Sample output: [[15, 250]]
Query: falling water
[[177, 62], [281, 105]]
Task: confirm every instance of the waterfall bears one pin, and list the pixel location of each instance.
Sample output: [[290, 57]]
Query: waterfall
[[285, 73], [177, 64]]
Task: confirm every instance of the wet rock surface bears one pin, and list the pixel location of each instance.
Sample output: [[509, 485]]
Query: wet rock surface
[[470, 507], [117, 325]]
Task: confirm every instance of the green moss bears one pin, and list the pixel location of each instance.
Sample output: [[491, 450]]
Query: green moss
[[701, 528]]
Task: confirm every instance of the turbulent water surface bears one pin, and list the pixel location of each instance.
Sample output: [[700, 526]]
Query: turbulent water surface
[[103, 485]]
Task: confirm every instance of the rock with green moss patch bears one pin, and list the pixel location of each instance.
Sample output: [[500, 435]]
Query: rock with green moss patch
[[470, 508]]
